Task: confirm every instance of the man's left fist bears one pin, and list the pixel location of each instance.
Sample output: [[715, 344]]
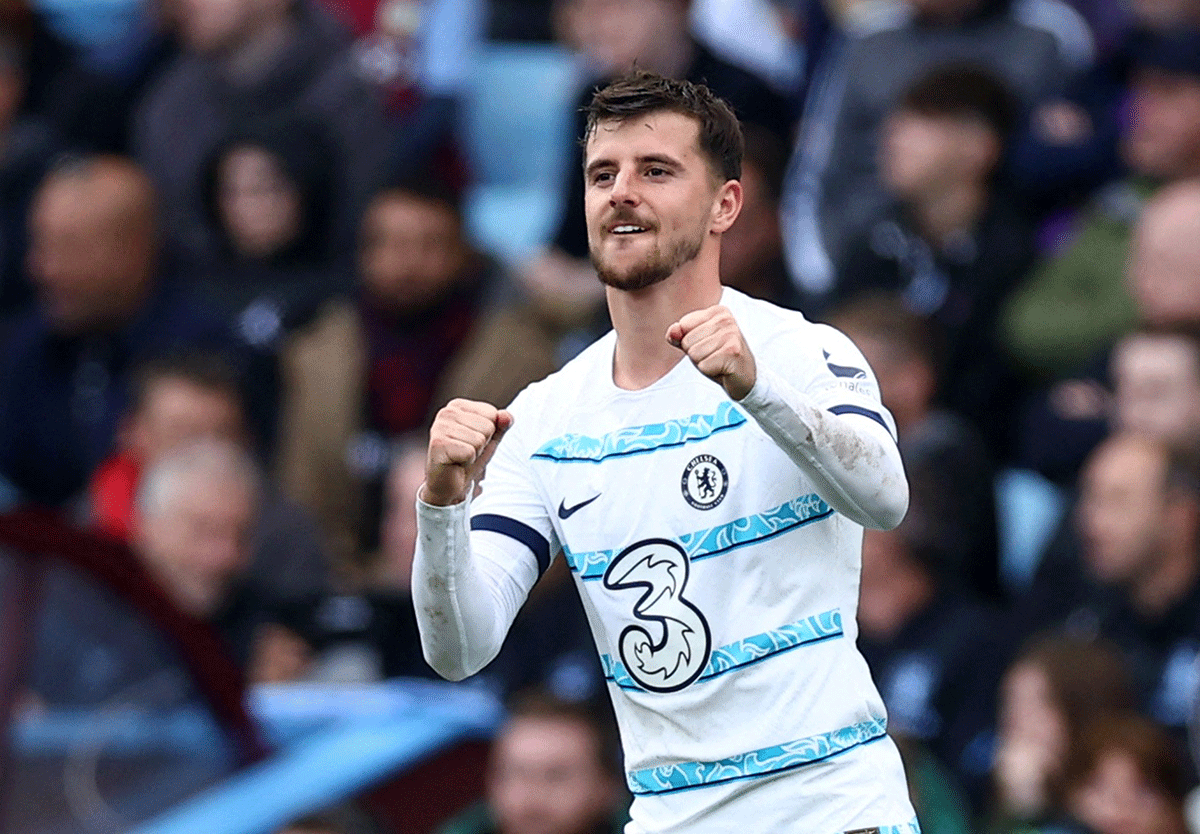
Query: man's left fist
[[713, 341]]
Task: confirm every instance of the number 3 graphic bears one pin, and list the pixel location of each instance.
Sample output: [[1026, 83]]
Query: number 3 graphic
[[681, 652]]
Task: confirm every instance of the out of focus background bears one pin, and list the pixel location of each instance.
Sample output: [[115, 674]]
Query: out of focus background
[[248, 247]]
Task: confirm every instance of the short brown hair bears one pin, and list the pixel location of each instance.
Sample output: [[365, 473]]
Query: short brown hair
[[1158, 758], [639, 92]]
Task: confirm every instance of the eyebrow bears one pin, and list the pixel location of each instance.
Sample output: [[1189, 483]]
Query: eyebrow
[[659, 159]]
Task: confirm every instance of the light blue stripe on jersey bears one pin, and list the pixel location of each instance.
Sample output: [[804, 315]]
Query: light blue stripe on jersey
[[716, 540], [764, 762], [639, 439], [745, 652], [907, 828]]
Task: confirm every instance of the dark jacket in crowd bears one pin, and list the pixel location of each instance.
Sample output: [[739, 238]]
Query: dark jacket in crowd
[[195, 105], [61, 397], [960, 288]]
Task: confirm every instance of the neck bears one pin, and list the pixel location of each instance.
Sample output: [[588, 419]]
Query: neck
[[251, 60], [1154, 594], [641, 318], [941, 216]]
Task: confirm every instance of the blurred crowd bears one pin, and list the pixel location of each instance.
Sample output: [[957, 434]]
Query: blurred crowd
[[238, 275]]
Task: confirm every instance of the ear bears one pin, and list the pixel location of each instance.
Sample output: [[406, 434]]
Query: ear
[[727, 205]]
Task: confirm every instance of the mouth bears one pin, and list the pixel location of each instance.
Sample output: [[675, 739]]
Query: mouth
[[626, 228]]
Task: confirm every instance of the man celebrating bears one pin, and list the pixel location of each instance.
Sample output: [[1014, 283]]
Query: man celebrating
[[711, 510]]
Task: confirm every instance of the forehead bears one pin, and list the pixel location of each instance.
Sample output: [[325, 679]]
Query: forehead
[[1153, 353], [663, 132]]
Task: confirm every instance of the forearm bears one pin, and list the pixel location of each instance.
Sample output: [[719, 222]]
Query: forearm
[[852, 459], [464, 604]]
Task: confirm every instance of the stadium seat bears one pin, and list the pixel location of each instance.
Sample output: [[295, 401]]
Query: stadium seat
[[517, 126], [1028, 511]]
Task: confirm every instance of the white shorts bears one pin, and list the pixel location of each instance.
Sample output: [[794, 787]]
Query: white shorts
[[861, 790]]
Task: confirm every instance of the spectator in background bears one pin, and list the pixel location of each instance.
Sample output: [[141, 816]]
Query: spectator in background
[[1071, 145], [268, 59], [1052, 690], [367, 370], [1078, 302], [422, 54], [1156, 386], [553, 770], [177, 400], [366, 630], [193, 524], [270, 192], [28, 143], [932, 646], [106, 301], [1061, 424], [1126, 776], [1137, 579], [901, 349], [951, 244], [838, 176]]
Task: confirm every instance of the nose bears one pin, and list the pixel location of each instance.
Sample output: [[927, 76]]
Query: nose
[[623, 190]]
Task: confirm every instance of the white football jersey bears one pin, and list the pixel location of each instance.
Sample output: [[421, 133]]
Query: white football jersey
[[721, 588]]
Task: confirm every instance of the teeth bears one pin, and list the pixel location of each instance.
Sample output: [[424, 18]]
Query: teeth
[[623, 230]]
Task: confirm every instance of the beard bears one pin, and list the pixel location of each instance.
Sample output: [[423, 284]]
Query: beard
[[657, 266]]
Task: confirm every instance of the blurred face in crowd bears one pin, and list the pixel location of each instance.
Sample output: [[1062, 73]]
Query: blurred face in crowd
[[216, 26], [546, 777], [92, 245], [924, 156], [1164, 265], [196, 539], [1122, 508], [615, 34], [399, 535], [1029, 713], [412, 250], [1118, 798], [892, 586], [1163, 14], [176, 411], [1163, 138], [1158, 388], [260, 206]]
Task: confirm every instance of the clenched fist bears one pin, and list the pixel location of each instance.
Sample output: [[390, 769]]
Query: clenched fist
[[713, 341], [462, 440]]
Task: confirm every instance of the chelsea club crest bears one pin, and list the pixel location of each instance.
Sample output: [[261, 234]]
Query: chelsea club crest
[[704, 482]]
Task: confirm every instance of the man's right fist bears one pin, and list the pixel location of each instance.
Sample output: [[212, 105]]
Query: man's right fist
[[462, 440]]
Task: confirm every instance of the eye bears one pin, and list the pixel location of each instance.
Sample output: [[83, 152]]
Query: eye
[[657, 171], [601, 177]]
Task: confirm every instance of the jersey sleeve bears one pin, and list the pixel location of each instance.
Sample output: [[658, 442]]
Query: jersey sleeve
[[835, 375], [509, 514], [476, 562], [816, 398]]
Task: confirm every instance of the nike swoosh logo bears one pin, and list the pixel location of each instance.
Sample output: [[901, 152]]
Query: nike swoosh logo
[[565, 512]]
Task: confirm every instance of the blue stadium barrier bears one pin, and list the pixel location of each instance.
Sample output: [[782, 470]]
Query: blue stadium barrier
[[331, 742], [517, 133]]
